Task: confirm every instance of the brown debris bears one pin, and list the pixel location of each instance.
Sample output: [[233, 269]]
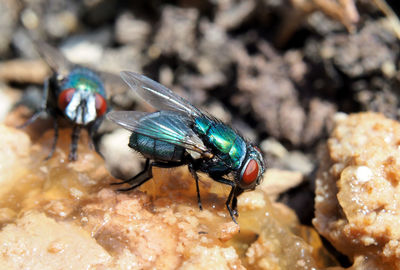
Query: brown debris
[[343, 11], [176, 34], [24, 71]]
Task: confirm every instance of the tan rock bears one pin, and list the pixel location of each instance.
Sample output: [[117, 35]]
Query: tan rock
[[39, 242], [357, 189], [60, 214], [278, 181]]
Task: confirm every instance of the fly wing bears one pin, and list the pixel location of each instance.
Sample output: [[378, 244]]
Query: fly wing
[[53, 57], [165, 126], [157, 95]]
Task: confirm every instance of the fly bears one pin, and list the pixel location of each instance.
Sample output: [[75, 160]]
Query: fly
[[72, 92], [180, 134]]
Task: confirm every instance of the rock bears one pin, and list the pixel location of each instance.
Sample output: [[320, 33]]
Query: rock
[[319, 120], [8, 97], [272, 238], [15, 147], [279, 156], [177, 32], [121, 160], [297, 161], [122, 58], [273, 147], [231, 14], [362, 53], [56, 211], [86, 49], [61, 23], [277, 181], [36, 241], [357, 191], [24, 71], [215, 52], [273, 96], [132, 31]]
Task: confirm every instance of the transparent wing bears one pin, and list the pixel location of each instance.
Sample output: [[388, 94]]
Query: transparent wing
[[53, 57], [165, 126], [112, 82], [157, 95]]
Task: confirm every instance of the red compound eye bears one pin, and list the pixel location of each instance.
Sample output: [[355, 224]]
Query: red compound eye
[[251, 172], [101, 105], [65, 98]]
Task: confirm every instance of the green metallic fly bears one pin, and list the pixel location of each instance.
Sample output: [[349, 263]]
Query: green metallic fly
[[72, 92], [179, 134]]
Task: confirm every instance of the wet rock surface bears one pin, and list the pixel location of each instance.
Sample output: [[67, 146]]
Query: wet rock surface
[[54, 210]]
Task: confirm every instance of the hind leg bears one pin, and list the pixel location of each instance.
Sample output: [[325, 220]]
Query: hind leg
[[145, 175]]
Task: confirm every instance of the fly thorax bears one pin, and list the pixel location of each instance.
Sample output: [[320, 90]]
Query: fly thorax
[[82, 107]]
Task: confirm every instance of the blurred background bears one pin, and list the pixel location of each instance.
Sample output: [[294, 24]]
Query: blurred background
[[276, 70]]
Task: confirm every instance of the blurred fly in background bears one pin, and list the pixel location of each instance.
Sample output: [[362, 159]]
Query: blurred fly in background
[[179, 134], [72, 92]]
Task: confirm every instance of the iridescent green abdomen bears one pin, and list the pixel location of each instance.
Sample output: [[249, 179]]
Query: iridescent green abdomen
[[231, 146], [81, 78]]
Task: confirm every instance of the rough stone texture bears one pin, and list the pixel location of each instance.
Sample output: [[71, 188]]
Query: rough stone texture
[[357, 189], [14, 152], [39, 242], [58, 213]]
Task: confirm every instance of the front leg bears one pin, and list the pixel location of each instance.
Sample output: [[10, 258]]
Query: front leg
[[238, 191], [74, 143], [231, 197]]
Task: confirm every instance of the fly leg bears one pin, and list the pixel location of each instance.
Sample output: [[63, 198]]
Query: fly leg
[[53, 146], [237, 192], [146, 174], [196, 177], [74, 143], [140, 178], [231, 202], [92, 131], [132, 180], [32, 119]]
